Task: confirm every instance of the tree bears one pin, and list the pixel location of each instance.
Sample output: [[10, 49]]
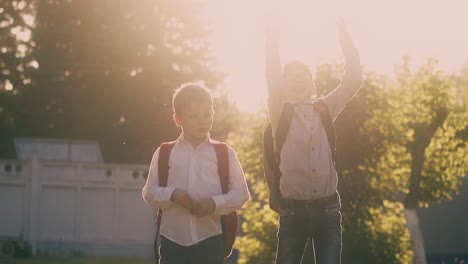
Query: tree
[[257, 244], [424, 159], [107, 71], [16, 64]]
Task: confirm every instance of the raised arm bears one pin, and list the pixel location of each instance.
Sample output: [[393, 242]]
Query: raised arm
[[351, 80], [273, 68]]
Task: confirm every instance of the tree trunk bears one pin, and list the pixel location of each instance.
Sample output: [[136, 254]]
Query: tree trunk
[[412, 223], [422, 138]]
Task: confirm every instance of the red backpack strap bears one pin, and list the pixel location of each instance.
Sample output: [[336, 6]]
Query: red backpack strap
[[223, 165], [230, 222], [327, 123], [163, 170], [163, 162], [282, 130]]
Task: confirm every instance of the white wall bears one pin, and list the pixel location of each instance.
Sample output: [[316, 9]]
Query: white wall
[[86, 208]]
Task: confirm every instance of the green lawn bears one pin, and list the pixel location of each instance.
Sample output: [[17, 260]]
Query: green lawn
[[78, 260]]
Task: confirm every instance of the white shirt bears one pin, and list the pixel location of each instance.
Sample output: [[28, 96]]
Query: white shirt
[[194, 171], [307, 169]]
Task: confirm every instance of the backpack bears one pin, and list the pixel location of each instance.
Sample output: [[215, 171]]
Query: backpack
[[271, 158], [228, 222]]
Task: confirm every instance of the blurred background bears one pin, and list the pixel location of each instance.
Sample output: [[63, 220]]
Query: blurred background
[[85, 100]]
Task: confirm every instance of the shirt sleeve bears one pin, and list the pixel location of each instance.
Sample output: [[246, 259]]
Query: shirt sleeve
[[350, 82], [273, 73], [152, 193], [238, 192]]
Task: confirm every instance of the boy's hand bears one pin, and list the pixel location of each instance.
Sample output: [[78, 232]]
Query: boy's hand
[[182, 198], [203, 207]]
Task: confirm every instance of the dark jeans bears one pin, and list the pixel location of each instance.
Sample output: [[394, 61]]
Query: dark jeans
[[319, 222], [209, 251]]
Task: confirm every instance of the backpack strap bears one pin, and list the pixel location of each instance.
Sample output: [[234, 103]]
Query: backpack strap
[[269, 159], [272, 153], [163, 173], [327, 123], [229, 223], [222, 156], [163, 170], [280, 137], [283, 127], [163, 162]]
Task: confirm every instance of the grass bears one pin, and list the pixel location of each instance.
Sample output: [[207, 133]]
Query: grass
[[78, 260]]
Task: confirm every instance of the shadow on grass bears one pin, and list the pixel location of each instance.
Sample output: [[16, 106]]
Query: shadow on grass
[[80, 260], [84, 260]]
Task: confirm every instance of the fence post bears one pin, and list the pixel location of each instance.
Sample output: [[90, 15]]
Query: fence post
[[34, 201]]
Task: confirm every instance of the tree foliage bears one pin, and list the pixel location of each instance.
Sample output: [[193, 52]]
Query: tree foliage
[[423, 115], [16, 63], [107, 71], [258, 241]]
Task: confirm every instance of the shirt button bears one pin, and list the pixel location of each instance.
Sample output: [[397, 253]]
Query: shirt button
[[315, 191], [313, 148], [313, 170]]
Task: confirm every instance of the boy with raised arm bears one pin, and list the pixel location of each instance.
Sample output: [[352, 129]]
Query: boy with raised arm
[[310, 203]]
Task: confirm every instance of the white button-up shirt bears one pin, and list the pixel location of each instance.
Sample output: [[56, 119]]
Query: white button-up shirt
[[195, 171], [307, 169]]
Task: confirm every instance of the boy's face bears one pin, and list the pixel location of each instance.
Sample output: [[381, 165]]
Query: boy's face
[[195, 120], [297, 84]]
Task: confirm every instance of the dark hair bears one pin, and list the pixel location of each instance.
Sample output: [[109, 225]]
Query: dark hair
[[296, 64], [189, 93]]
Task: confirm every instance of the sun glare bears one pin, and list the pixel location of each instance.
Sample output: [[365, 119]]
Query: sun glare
[[384, 32]]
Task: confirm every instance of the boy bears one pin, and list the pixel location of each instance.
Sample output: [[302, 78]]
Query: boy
[[308, 179], [193, 201]]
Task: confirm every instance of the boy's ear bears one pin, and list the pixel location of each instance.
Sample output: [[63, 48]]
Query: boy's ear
[[176, 119]]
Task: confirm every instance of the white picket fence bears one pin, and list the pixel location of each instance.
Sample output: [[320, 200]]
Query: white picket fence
[[76, 207]]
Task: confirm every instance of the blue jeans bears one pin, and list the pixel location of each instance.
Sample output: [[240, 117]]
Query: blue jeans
[[318, 222], [209, 251]]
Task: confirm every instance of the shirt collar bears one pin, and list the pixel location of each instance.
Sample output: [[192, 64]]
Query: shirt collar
[[182, 139]]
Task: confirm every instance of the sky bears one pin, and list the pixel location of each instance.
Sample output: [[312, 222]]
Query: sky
[[383, 31]]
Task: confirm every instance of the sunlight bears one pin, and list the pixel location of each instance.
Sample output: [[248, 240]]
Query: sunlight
[[383, 31]]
